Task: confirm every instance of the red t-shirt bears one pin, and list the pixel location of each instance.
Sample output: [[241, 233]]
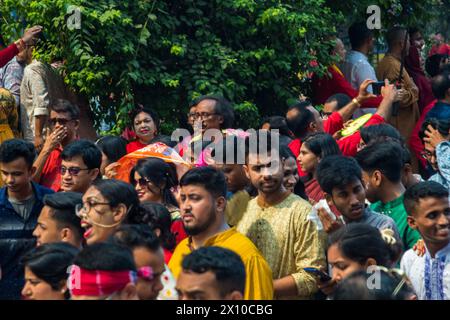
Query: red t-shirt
[[442, 49], [177, 229], [51, 173], [414, 141], [7, 54], [135, 145], [167, 255]]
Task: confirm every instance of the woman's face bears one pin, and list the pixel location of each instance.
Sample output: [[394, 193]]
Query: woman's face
[[291, 176], [97, 217], [37, 289], [147, 190], [341, 266], [145, 127], [308, 160]]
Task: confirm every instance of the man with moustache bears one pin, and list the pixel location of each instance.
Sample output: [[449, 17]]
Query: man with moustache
[[21, 201], [202, 204]]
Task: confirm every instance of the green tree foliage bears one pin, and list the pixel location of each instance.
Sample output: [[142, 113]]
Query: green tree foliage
[[164, 53]]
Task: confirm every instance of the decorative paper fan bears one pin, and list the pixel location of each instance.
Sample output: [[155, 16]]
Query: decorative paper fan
[[355, 125]]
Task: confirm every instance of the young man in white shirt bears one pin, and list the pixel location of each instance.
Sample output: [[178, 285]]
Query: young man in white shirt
[[429, 212]]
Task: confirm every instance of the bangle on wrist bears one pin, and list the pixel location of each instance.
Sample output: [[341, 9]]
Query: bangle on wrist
[[355, 101]]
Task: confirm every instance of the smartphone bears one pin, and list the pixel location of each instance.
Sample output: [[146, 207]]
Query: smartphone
[[322, 275], [376, 87]]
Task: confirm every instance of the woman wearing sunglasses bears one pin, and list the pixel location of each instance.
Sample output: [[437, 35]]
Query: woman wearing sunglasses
[[154, 180], [356, 247], [106, 205]]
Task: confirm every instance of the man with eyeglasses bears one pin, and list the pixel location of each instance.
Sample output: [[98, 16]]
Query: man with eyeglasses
[[81, 161], [21, 200], [64, 123]]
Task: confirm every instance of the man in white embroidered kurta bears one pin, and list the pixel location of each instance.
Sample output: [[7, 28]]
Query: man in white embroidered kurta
[[429, 212]]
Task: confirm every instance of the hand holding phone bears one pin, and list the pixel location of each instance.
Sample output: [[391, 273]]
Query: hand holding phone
[[376, 87], [318, 273]]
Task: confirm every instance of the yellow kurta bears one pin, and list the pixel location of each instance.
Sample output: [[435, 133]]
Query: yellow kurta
[[287, 239], [258, 283], [236, 207]]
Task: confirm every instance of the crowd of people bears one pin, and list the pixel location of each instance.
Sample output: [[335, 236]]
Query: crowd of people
[[310, 205]]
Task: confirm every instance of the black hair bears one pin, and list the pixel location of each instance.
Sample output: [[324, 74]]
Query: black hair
[[13, 149], [385, 157], [423, 190], [113, 147], [358, 33], [222, 106], [440, 84], [337, 172], [136, 236], [360, 241], [354, 287], [164, 139], [413, 30], [226, 265], [371, 133], [278, 123], [229, 144], [442, 126], [50, 262], [432, 64], [262, 141], [118, 192], [394, 34], [105, 256], [341, 98], [299, 124], [89, 152], [63, 210], [321, 144], [156, 216], [159, 173], [65, 106], [210, 179], [406, 155]]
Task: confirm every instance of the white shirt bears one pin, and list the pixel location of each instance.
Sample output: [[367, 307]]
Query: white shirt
[[437, 273], [356, 68]]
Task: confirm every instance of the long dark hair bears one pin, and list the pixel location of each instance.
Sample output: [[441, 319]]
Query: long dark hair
[[160, 173], [321, 144]]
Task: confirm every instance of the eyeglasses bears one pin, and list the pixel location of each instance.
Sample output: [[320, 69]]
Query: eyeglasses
[[427, 154], [73, 171], [325, 115], [202, 115], [61, 121], [82, 209], [142, 182]]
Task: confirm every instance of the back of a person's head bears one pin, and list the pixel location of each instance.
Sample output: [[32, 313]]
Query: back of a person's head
[[394, 35], [262, 142], [358, 34], [226, 265], [385, 157], [222, 107], [433, 64], [63, 210], [442, 126], [371, 133], [105, 256], [50, 262], [14, 149], [391, 286], [278, 123], [65, 106], [87, 150], [321, 144], [299, 123], [420, 191], [360, 242], [113, 147], [229, 150], [341, 100], [440, 85], [337, 172], [208, 178], [136, 236]]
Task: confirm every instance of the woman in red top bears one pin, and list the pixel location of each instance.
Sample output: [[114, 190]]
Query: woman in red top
[[145, 125], [315, 147]]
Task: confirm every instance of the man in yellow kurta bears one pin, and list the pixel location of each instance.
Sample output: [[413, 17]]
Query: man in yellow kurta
[[202, 205], [408, 95], [276, 221]]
